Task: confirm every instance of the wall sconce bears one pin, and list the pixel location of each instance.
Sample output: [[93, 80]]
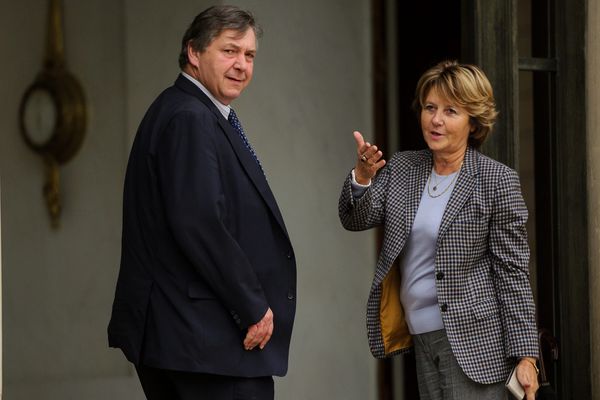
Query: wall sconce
[[53, 113]]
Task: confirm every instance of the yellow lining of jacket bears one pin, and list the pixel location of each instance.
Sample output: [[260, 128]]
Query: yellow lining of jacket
[[394, 328]]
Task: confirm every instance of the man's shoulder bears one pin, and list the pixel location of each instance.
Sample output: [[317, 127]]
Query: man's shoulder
[[176, 109], [174, 101], [184, 95]]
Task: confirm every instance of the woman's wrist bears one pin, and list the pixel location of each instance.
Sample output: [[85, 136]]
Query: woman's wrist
[[359, 180], [531, 361]]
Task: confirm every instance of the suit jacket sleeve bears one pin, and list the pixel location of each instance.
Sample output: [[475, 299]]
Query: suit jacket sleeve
[[510, 259], [367, 211], [196, 211]]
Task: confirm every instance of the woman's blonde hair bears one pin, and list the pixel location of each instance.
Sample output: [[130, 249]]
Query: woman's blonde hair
[[466, 86]]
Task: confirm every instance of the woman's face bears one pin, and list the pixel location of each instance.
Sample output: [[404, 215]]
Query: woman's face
[[446, 126]]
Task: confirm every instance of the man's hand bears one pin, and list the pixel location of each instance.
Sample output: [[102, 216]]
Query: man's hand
[[527, 376], [368, 160], [260, 333]]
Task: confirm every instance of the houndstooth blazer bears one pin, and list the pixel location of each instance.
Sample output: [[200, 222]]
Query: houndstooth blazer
[[481, 261]]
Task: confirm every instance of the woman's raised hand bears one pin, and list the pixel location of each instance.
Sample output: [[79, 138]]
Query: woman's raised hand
[[369, 160]]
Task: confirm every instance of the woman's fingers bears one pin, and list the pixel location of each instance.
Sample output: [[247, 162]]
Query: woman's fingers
[[378, 165], [369, 159], [360, 142], [527, 377], [363, 148]]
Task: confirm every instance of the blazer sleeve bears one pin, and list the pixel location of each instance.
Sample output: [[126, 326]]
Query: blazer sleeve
[[510, 261], [367, 211], [194, 199]]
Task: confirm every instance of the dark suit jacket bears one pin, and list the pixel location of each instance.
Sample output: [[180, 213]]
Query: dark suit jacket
[[205, 251], [481, 263]]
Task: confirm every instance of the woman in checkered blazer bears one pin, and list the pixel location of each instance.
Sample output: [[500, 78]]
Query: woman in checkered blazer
[[454, 220]]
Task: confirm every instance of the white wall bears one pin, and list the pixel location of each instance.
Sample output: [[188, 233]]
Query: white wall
[[311, 89]]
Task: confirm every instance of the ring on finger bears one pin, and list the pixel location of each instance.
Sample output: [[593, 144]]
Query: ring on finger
[[363, 158]]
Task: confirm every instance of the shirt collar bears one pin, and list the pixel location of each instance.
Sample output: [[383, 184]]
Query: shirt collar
[[223, 109]]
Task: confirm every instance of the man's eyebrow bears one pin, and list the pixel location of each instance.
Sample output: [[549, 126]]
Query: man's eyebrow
[[237, 46], [232, 44]]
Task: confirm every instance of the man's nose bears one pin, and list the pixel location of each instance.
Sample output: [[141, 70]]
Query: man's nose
[[241, 62]]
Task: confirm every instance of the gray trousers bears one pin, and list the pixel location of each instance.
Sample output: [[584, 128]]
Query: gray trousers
[[441, 378]]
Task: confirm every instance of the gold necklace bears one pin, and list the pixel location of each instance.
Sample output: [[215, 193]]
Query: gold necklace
[[434, 194]]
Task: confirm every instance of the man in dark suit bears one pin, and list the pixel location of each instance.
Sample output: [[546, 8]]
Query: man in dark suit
[[206, 294]]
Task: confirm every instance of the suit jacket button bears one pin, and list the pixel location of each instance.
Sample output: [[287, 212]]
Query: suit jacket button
[[290, 296], [444, 307], [439, 276], [289, 256]]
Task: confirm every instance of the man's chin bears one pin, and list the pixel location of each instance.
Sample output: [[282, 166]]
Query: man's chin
[[233, 94]]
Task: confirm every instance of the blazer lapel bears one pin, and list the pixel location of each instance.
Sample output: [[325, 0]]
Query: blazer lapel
[[417, 179], [463, 189], [248, 162], [410, 192]]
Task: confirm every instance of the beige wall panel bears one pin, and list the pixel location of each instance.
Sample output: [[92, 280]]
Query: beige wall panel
[[311, 89], [58, 285]]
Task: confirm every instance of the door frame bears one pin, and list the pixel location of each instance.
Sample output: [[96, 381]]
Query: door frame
[[494, 22], [489, 39], [1, 340]]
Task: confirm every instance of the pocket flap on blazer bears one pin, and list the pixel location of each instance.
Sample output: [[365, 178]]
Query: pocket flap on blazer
[[199, 290], [485, 308]]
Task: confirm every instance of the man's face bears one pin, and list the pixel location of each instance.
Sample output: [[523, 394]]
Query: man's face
[[225, 66]]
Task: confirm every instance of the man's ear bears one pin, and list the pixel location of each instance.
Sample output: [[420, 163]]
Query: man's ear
[[193, 55]]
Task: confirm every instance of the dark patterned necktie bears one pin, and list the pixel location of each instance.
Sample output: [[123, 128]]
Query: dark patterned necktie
[[235, 122]]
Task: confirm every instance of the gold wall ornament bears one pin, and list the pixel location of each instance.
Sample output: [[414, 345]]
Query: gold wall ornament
[[53, 112]]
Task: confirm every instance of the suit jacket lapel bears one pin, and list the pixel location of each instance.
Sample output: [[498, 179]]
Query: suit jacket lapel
[[252, 169], [248, 162], [463, 189]]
